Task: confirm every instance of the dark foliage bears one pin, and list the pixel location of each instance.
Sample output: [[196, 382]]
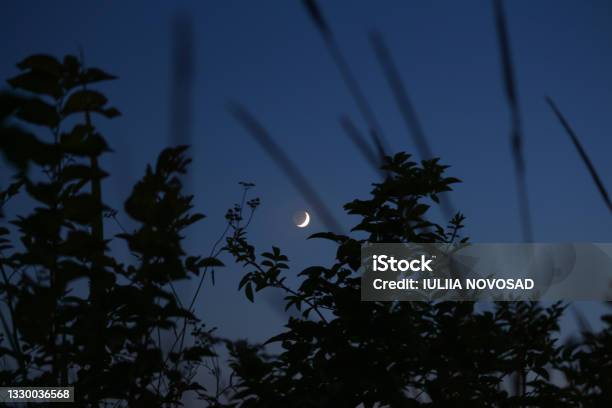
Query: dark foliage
[[344, 352], [73, 314]]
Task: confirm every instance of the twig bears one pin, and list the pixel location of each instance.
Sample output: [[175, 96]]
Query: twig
[[277, 283]]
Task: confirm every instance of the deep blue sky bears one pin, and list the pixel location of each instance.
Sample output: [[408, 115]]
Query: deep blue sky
[[269, 56]]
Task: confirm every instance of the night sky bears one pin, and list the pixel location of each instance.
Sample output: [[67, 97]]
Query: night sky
[[269, 56]]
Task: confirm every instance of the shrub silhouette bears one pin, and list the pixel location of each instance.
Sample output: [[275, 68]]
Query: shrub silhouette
[[104, 339], [392, 354], [73, 314]]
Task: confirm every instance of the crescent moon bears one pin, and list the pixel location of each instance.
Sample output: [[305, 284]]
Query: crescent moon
[[306, 220]]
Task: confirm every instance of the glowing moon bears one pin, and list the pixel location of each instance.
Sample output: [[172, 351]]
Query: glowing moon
[[302, 219]]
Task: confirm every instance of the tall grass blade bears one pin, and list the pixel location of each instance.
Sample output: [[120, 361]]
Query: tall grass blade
[[516, 136], [406, 108], [583, 155], [182, 61], [293, 173], [581, 320], [347, 76], [360, 142], [402, 99]]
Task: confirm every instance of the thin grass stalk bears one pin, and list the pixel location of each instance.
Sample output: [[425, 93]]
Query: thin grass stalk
[[516, 134], [182, 60], [583, 155], [360, 142], [406, 108], [400, 94], [347, 76]]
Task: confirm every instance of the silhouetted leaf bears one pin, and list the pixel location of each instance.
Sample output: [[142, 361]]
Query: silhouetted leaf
[[211, 262], [84, 100], [92, 75], [82, 172], [82, 208], [330, 236], [38, 112], [248, 291], [40, 82], [81, 141], [42, 63]]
